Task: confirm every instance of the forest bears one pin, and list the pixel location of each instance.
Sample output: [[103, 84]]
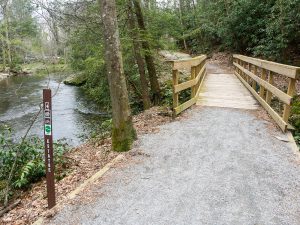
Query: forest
[[110, 50]]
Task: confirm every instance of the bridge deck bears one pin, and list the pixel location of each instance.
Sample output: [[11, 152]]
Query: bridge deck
[[225, 90]]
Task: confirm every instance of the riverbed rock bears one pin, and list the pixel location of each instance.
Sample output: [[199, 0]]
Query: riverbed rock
[[4, 76], [75, 80]]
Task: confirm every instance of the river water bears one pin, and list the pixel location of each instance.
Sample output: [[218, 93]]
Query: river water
[[74, 116]]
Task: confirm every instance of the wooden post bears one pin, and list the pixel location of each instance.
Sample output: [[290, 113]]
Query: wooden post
[[253, 81], [235, 68], [48, 141], [242, 74], [238, 70], [249, 69], [244, 66], [290, 92], [175, 95], [201, 65], [262, 89], [193, 76], [198, 68], [271, 81]]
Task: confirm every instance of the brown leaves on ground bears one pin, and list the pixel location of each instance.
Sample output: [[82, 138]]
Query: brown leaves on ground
[[149, 120], [85, 161], [223, 59]]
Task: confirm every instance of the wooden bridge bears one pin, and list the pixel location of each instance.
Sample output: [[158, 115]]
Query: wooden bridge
[[222, 164], [212, 87]]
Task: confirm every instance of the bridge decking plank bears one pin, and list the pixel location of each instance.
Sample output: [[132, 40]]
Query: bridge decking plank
[[225, 90]]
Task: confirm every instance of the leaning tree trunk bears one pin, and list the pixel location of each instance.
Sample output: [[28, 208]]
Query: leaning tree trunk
[[123, 132], [139, 58], [148, 55]]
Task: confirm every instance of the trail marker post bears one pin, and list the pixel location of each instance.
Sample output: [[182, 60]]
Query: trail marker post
[[48, 138]]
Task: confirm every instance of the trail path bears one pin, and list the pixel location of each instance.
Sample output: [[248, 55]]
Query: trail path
[[215, 165]]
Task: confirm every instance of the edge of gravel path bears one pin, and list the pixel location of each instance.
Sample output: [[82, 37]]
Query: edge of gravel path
[[84, 185]]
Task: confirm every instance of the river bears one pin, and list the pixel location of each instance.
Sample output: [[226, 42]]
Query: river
[[74, 116]]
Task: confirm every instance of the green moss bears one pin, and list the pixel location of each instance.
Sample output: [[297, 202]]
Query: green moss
[[42, 69], [123, 136]]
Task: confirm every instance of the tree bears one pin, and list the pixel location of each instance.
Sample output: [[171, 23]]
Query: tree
[[7, 52], [138, 56], [123, 132], [155, 88]]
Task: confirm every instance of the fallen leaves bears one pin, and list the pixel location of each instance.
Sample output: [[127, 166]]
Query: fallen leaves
[[85, 161]]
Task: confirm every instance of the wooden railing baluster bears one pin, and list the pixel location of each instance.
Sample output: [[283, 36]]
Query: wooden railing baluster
[[262, 88], [175, 95], [291, 92], [193, 76], [197, 67], [269, 93], [253, 81], [246, 69]]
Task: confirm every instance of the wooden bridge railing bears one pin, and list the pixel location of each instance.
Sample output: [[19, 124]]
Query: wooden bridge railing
[[198, 71], [252, 71]]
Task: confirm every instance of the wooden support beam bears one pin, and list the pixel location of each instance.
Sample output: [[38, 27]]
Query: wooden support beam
[[247, 77], [289, 71], [185, 105], [198, 72], [281, 123], [184, 85], [269, 93], [193, 76], [253, 81], [262, 88], [188, 63], [291, 92], [175, 95], [270, 88], [201, 83]]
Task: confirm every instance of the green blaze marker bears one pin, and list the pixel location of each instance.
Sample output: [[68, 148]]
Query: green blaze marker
[[48, 129]]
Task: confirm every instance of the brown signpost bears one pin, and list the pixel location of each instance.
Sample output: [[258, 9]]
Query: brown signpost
[[48, 138]]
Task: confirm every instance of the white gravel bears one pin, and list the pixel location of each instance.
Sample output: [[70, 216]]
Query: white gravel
[[219, 166]]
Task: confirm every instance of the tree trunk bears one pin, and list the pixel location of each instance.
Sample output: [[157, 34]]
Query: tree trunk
[[3, 55], [181, 11], [123, 132], [148, 55], [138, 57], [6, 30]]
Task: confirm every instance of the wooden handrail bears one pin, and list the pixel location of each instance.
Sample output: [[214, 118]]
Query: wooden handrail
[[188, 63], [198, 71], [289, 71], [265, 81]]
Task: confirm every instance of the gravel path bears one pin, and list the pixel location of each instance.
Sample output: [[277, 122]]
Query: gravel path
[[217, 166]]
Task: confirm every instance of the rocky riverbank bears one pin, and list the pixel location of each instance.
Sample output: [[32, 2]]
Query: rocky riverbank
[[4, 76]]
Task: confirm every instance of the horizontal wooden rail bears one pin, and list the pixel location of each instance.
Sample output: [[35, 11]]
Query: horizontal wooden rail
[[198, 71], [278, 93], [267, 70], [289, 71], [188, 63]]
